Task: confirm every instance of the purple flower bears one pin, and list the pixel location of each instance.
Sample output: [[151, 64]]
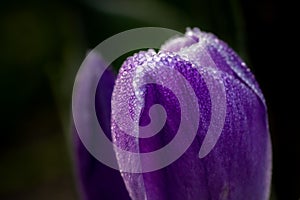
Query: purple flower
[[210, 105]]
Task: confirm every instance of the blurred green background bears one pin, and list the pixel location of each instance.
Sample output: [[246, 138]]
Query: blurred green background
[[44, 42]]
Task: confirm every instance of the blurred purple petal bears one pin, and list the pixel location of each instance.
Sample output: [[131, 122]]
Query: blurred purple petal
[[96, 180], [239, 165]]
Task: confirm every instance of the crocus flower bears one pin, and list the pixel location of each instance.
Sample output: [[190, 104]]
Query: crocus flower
[[195, 78]]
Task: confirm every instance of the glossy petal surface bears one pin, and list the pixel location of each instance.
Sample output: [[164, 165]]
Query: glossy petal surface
[[238, 166]]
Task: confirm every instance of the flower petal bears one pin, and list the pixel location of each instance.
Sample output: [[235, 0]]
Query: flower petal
[[96, 180], [239, 165]]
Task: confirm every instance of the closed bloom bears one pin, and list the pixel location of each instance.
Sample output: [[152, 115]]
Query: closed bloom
[[195, 121]]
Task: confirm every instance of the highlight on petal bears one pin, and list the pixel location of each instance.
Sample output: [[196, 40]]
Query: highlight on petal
[[177, 43], [188, 78]]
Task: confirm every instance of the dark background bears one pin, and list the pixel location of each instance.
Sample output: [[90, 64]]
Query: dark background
[[44, 42]]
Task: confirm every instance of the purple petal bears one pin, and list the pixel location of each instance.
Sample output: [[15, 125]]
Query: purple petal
[[177, 43], [96, 180], [239, 164]]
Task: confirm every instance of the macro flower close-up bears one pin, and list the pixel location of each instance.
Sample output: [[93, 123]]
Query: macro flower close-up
[[149, 100], [204, 87]]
